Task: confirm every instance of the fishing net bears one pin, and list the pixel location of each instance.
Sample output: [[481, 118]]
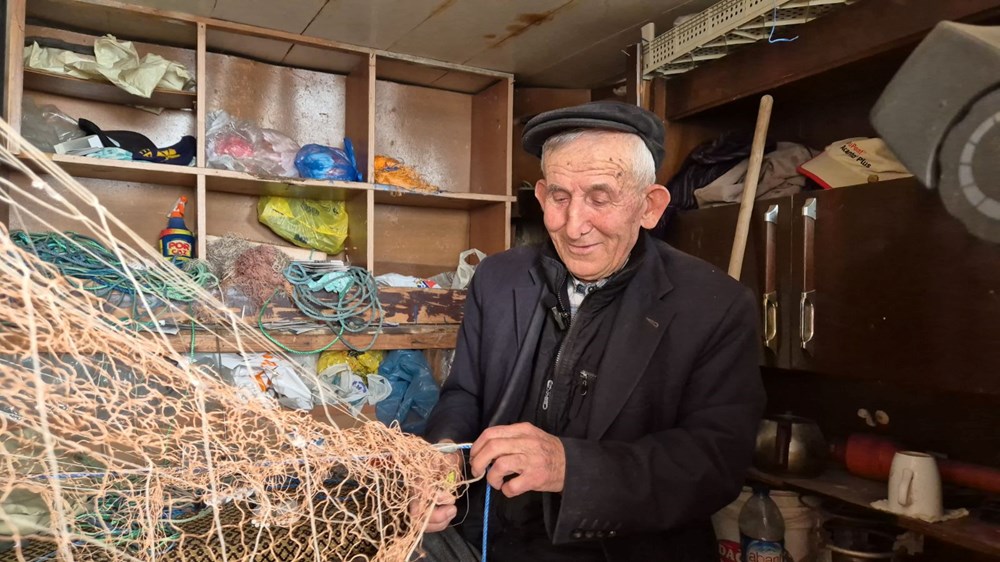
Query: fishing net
[[116, 446]]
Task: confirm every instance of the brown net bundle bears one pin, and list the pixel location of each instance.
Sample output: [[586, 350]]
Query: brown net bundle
[[118, 447]]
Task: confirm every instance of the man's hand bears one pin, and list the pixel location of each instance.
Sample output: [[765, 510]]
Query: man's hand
[[536, 458], [444, 509]]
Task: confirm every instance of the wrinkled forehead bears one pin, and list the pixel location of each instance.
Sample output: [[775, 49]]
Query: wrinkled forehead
[[606, 153]]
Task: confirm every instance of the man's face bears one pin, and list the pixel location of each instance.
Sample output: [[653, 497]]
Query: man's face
[[591, 212]]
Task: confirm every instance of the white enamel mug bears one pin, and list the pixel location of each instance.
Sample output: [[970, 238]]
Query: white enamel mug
[[915, 485]]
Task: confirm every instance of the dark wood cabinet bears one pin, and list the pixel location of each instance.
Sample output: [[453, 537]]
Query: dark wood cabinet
[[708, 234], [901, 292]]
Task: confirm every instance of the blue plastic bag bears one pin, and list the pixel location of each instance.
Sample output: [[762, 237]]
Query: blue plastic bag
[[414, 391], [318, 162]]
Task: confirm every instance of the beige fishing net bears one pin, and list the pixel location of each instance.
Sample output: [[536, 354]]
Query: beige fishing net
[[117, 447]]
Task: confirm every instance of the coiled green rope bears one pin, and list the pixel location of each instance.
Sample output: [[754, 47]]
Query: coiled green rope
[[81, 257], [356, 309]]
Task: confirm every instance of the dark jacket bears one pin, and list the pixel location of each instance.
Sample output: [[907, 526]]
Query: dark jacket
[[674, 415]]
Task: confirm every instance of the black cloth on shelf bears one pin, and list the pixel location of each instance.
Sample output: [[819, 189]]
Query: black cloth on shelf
[[705, 164]]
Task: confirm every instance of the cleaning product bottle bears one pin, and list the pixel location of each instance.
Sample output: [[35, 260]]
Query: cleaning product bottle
[[762, 529], [176, 241]]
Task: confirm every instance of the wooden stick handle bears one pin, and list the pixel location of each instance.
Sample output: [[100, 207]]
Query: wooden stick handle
[[750, 187]]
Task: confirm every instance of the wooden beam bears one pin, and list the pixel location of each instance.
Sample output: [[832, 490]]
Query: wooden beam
[[14, 65], [440, 337], [856, 32], [106, 92]]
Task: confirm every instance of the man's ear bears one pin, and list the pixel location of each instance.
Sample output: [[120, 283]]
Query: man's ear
[[541, 189], [656, 198]]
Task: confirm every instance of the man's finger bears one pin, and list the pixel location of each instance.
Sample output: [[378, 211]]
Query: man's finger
[[493, 450], [501, 432]]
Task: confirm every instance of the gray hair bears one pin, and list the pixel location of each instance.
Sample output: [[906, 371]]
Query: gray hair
[[640, 169]]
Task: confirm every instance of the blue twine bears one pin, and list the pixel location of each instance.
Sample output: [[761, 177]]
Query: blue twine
[[774, 25], [486, 521]]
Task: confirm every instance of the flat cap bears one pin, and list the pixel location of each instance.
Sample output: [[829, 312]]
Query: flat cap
[[609, 115]]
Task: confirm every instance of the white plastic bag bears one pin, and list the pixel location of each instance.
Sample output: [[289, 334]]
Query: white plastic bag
[[463, 275], [266, 377]]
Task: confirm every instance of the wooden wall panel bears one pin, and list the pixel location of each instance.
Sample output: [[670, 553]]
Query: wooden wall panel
[[491, 144], [144, 207], [307, 106], [428, 129], [418, 240]]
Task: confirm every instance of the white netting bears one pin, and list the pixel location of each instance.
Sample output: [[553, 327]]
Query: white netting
[[116, 447]]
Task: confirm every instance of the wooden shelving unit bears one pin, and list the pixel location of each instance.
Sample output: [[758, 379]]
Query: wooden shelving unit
[[967, 532], [450, 122]]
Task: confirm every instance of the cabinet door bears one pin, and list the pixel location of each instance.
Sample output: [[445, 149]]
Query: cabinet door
[[900, 291], [708, 234]]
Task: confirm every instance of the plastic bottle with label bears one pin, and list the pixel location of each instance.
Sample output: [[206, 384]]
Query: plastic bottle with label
[[762, 529]]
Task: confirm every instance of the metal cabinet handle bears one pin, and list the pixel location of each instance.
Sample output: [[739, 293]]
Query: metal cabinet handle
[[770, 285], [807, 306]]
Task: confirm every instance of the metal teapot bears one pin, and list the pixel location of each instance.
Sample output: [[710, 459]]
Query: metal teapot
[[790, 445]]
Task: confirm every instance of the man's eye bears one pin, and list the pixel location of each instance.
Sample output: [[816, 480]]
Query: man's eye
[[560, 198], [599, 202]]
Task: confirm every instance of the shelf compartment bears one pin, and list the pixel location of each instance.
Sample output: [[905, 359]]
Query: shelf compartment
[[236, 214], [142, 206], [459, 142], [122, 170], [424, 241], [107, 92], [967, 532], [322, 99]]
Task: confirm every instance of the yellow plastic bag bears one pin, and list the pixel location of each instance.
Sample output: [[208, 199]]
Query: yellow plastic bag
[[307, 223], [361, 364]]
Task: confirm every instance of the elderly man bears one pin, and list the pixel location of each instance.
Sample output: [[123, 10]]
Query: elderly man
[[609, 381]]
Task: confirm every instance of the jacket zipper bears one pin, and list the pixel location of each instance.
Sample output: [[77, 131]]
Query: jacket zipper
[[569, 334]]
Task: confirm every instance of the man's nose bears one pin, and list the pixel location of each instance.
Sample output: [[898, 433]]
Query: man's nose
[[577, 219]]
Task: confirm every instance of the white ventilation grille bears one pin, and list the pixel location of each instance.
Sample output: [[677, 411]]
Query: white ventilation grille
[[728, 24]]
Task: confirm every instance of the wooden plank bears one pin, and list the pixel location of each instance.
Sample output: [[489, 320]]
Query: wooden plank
[[359, 121], [201, 73], [967, 532], [419, 241], [123, 171], [201, 103], [489, 228], [491, 128], [405, 307], [856, 32], [358, 247], [201, 218], [442, 337], [428, 129], [391, 195], [464, 82], [103, 91], [125, 21], [14, 64], [228, 181]]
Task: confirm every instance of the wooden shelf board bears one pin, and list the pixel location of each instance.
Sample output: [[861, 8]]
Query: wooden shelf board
[[967, 532], [390, 195], [412, 337], [120, 170], [103, 91], [246, 184]]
